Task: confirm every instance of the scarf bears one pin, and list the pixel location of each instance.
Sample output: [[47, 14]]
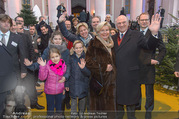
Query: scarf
[[57, 68], [108, 44], [61, 47], [87, 40]]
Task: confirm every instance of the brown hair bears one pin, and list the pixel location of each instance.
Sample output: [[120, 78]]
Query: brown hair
[[75, 18], [54, 50], [145, 13], [56, 33], [5, 17]]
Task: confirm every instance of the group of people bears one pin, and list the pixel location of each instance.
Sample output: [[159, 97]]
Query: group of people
[[121, 60]]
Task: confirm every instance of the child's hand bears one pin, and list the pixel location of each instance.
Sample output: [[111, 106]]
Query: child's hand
[[67, 88], [27, 62], [41, 62], [62, 80], [63, 92], [83, 63]]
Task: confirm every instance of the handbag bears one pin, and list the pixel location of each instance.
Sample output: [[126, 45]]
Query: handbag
[[95, 85]]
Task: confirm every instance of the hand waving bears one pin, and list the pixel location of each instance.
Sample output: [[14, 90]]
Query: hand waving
[[62, 17], [83, 63], [27, 62], [41, 61], [155, 24]]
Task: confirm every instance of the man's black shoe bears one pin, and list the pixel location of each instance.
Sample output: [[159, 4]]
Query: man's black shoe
[[68, 106], [39, 93], [37, 106]]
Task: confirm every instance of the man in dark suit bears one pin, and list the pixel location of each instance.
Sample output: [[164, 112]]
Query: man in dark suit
[[127, 46], [29, 81], [11, 50], [148, 61], [161, 11], [83, 16]]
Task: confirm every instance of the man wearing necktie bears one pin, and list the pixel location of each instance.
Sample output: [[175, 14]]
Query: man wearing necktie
[[148, 61], [127, 63], [11, 48]]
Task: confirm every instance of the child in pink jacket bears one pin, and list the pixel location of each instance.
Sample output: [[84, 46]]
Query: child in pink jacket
[[52, 73]]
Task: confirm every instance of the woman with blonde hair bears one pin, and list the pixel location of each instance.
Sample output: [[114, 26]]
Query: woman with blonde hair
[[100, 61], [81, 34]]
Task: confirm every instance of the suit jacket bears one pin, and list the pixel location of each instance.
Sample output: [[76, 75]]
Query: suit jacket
[[177, 62], [147, 71], [127, 64], [8, 79], [29, 50], [16, 47]]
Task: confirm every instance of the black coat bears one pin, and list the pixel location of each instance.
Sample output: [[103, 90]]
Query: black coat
[[79, 78], [147, 71], [8, 78], [177, 62], [17, 48], [127, 64]]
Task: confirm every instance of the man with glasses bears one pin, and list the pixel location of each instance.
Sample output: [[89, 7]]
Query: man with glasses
[[148, 61], [20, 20]]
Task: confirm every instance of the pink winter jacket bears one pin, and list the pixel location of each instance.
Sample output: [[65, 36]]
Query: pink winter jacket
[[52, 86]]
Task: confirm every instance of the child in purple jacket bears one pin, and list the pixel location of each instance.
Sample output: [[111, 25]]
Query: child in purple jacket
[[52, 73]]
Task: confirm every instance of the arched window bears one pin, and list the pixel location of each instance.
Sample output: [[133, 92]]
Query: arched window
[[127, 6], [26, 2], [107, 6]]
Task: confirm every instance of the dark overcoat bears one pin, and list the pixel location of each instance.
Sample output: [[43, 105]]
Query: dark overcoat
[[98, 54], [127, 64], [79, 78], [147, 71]]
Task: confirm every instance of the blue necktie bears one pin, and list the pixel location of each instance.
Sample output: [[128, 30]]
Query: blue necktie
[[121, 36], [142, 32]]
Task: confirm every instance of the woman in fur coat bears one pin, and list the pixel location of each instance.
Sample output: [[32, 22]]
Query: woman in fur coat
[[100, 51]]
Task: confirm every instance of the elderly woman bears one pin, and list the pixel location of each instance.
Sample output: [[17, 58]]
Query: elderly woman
[[82, 31], [100, 51]]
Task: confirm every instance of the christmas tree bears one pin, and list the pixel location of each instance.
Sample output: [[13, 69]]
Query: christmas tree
[[165, 71], [28, 15]]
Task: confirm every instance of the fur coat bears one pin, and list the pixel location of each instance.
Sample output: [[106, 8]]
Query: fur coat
[[98, 53]]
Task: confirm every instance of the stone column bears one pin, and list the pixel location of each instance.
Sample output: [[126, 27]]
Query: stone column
[[52, 6], [88, 5], [68, 7], [100, 9], [13, 7], [175, 11], [135, 9]]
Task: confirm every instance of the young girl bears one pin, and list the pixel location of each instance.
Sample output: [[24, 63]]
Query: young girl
[[53, 72], [79, 78]]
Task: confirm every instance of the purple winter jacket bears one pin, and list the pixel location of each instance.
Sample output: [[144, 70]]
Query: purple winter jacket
[[52, 86]]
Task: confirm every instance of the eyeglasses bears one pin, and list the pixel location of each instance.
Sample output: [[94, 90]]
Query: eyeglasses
[[20, 21], [144, 19]]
